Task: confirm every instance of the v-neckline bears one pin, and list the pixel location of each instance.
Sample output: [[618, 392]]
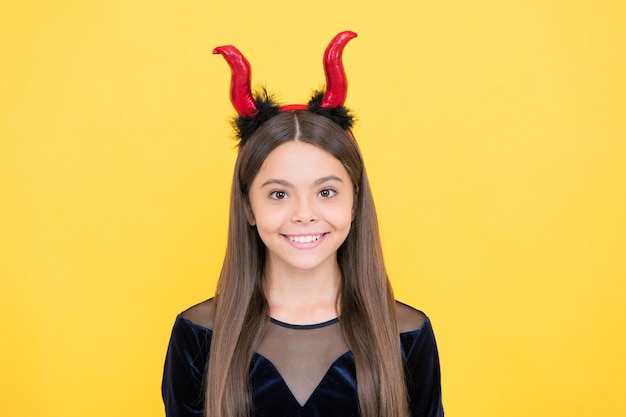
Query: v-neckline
[[286, 385]]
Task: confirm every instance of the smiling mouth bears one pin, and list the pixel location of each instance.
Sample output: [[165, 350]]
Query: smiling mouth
[[304, 239]]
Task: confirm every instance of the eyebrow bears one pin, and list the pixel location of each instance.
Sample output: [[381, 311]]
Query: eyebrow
[[284, 183]]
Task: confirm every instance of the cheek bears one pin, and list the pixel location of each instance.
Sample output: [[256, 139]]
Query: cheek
[[268, 218], [343, 217]]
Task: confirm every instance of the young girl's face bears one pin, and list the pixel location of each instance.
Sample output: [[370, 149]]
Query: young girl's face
[[301, 202]]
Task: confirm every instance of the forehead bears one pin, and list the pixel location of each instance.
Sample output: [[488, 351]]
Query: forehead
[[300, 160]]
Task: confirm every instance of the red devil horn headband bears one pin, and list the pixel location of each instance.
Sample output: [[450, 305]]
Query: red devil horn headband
[[254, 111], [240, 91], [336, 82]]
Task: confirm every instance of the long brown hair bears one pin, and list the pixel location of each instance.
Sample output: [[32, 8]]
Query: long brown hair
[[368, 315]]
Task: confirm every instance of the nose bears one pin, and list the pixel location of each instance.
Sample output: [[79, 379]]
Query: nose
[[304, 211]]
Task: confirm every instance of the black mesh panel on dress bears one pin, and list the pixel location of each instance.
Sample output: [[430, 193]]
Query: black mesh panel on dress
[[303, 354]]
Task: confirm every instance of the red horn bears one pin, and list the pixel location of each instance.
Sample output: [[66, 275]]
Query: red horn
[[336, 81], [240, 91]]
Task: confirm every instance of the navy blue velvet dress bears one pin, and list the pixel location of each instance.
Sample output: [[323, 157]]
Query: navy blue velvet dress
[[324, 386]]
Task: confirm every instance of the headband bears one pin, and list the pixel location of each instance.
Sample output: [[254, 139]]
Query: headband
[[254, 110]]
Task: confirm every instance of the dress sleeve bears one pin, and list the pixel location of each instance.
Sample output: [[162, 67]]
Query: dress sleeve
[[183, 374], [422, 372]]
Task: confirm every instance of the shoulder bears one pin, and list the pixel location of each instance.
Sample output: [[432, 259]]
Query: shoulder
[[409, 318], [186, 359], [202, 314]]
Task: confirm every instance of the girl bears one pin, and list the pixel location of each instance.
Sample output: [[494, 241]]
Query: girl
[[303, 322]]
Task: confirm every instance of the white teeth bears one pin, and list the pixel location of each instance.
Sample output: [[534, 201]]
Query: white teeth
[[304, 239]]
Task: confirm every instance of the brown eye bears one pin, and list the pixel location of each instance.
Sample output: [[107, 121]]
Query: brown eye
[[327, 193], [278, 195]]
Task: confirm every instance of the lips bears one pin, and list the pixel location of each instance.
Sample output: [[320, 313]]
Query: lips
[[304, 239], [309, 241]]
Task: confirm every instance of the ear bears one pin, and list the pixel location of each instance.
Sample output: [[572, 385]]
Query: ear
[[249, 213]]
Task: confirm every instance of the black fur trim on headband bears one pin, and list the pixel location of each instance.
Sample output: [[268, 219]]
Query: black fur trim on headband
[[268, 108], [246, 126], [340, 115]]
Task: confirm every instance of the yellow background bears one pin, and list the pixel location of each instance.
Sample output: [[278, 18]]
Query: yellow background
[[495, 138]]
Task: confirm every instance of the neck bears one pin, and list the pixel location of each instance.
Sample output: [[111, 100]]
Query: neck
[[303, 296]]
